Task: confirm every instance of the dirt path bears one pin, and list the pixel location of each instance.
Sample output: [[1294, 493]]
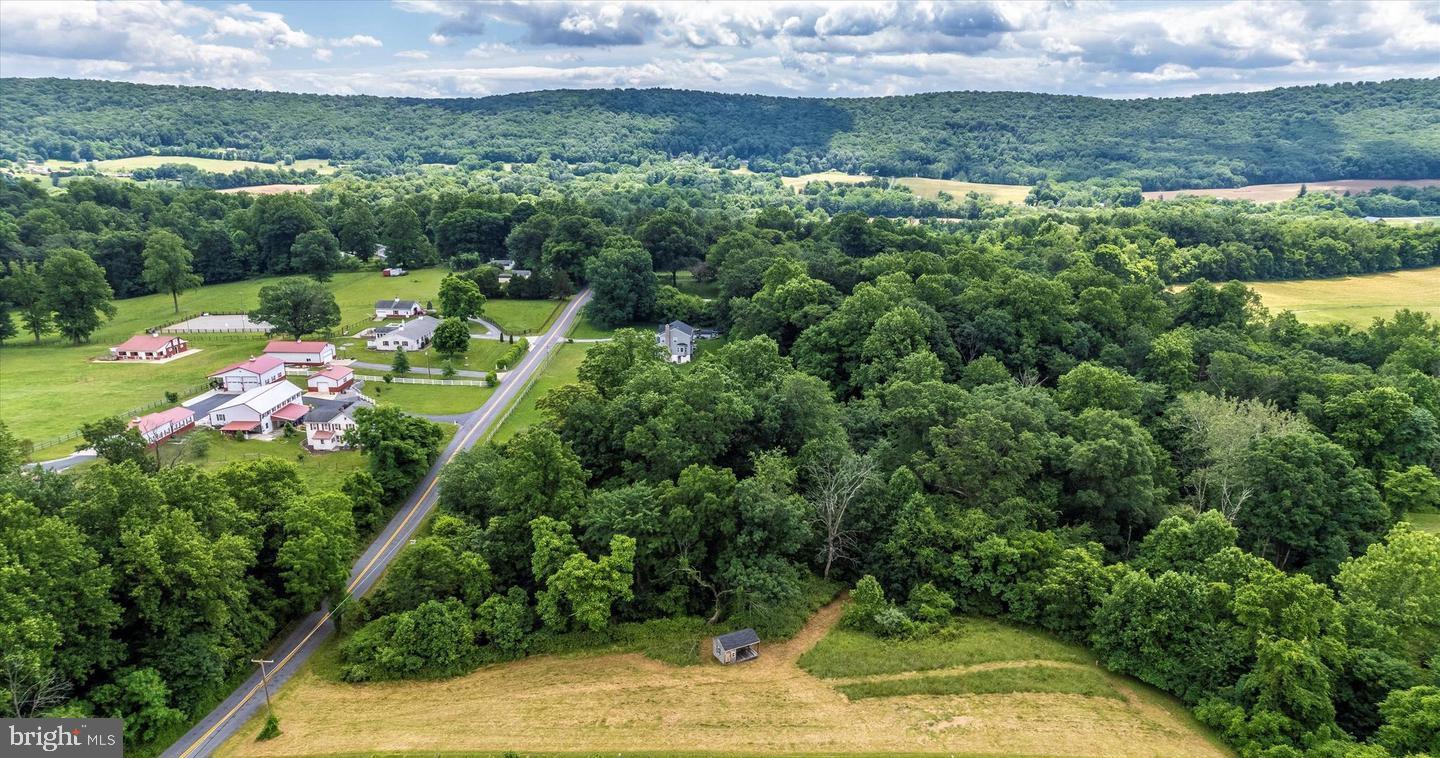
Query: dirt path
[[629, 702]]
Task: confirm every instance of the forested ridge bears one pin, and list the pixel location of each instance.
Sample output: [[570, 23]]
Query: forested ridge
[[1363, 130]]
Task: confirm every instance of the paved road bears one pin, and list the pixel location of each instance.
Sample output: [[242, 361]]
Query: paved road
[[231, 715], [60, 464]]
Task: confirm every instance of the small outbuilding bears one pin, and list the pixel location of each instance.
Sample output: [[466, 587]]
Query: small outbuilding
[[149, 347], [737, 647]]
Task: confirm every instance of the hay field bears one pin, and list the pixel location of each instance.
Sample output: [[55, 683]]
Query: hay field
[[271, 189], [927, 188], [627, 702], [213, 165], [1274, 193], [1354, 299]]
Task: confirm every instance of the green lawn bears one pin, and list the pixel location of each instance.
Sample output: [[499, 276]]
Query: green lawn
[[563, 369], [685, 282], [846, 653], [1089, 681], [1427, 522], [33, 409], [1354, 299], [480, 357], [320, 471], [521, 316], [433, 399]]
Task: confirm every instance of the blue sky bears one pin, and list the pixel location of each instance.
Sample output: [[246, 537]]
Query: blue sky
[[445, 48]]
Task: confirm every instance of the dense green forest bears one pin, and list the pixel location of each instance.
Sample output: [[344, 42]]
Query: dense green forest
[[1036, 424], [1364, 130]]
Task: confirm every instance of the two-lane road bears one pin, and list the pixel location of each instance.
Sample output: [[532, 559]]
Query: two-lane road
[[231, 715]]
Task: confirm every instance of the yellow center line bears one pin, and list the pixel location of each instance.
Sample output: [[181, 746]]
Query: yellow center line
[[479, 424]]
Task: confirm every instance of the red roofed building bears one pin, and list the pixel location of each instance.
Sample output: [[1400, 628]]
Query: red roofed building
[[146, 347], [332, 381], [158, 427], [247, 375], [297, 353]]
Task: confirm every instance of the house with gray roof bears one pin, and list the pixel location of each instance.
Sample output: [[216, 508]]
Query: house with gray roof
[[678, 339], [736, 647], [412, 335], [397, 308]]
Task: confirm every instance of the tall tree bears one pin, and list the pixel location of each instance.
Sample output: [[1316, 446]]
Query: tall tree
[[357, 230], [315, 253], [624, 284], [405, 243], [452, 338], [297, 307], [167, 265], [836, 481], [76, 291], [25, 287], [460, 297]]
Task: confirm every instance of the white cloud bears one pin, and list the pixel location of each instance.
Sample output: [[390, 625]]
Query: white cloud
[[323, 54], [418, 55], [358, 40]]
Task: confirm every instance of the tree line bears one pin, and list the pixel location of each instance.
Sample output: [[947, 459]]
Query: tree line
[[1359, 130]]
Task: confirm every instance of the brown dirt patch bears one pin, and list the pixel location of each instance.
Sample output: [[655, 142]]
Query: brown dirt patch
[[629, 703]]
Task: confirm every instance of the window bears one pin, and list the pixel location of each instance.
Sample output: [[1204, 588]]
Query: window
[[219, 417]]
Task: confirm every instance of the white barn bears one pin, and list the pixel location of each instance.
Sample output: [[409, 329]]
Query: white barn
[[299, 353], [247, 375], [258, 410]]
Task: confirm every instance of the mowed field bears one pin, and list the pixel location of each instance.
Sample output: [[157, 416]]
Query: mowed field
[[563, 369], [213, 165], [619, 703], [927, 188], [1354, 299], [1274, 193], [49, 389]]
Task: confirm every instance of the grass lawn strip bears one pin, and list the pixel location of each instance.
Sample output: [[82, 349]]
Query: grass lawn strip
[[998, 678]]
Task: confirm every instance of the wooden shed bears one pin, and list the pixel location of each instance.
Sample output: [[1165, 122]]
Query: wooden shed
[[737, 647]]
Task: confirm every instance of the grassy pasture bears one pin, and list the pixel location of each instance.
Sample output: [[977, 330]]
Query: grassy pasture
[[429, 399], [563, 369], [213, 165], [927, 188], [1425, 522], [1087, 681], [844, 653], [521, 316], [1354, 299], [626, 703], [49, 389], [1274, 193]]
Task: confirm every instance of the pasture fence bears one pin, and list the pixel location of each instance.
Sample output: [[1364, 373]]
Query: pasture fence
[[125, 414], [420, 380]]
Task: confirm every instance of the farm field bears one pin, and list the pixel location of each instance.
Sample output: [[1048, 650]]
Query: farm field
[[213, 165], [31, 372], [628, 702], [563, 369], [271, 189], [1274, 193], [1354, 299], [429, 399], [928, 188]]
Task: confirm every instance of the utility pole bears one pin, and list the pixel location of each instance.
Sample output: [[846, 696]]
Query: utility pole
[[265, 682]]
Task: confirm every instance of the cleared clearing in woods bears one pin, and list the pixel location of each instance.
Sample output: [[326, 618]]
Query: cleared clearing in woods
[[628, 702], [1274, 193], [927, 188], [1354, 299]]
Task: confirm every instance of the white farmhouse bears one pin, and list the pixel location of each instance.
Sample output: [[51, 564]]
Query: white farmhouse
[[412, 335], [247, 375], [678, 339], [329, 420], [397, 308], [158, 427], [299, 353], [258, 410]]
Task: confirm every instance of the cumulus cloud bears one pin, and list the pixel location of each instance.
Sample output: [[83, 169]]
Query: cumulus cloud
[[801, 47]]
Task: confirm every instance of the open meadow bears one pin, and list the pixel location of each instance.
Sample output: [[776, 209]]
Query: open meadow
[[563, 368], [992, 690], [212, 165], [927, 188], [1274, 193], [1354, 299], [30, 373]]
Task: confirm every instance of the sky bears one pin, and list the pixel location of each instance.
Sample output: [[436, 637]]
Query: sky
[[448, 48]]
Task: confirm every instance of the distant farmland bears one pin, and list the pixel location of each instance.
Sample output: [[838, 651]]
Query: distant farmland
[[1354, 299], [1274, 193], [927, 188], [213, 165]]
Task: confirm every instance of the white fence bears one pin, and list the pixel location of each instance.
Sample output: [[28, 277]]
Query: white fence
[[416, 380]]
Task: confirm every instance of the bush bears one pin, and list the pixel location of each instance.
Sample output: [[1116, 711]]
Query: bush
[[435, 639], [271, 729]]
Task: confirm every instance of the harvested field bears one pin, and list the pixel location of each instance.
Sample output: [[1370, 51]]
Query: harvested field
[[1354, 299], [614, 703], [927, 188], [1274, 193], [272, 189]]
